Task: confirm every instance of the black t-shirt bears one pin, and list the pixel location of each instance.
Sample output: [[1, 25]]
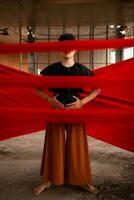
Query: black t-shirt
[[65, 95]]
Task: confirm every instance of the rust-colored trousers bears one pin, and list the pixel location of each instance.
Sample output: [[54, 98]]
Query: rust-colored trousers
[[65, 156]]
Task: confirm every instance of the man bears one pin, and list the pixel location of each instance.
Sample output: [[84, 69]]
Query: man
[[66, 159]]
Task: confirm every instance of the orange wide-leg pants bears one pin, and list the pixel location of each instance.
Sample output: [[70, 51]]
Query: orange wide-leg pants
[[65, 156]]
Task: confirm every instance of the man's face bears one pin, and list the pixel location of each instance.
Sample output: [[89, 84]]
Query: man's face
[[68, 54]]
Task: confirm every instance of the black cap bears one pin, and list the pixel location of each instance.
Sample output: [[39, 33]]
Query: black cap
[[66, 36]]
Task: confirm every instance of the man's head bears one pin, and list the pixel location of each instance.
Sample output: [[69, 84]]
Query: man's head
[[65, 37]]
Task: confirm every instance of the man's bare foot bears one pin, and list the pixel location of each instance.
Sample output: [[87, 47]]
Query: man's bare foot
[[90, 188], [41, 188]]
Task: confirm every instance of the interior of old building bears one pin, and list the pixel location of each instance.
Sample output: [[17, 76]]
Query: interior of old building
[[34, 21]]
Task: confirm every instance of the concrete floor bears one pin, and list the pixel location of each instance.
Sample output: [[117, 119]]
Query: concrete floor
[[113, 171]]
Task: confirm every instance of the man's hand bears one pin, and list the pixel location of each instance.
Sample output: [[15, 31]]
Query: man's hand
[[75, 105], [55, 103]]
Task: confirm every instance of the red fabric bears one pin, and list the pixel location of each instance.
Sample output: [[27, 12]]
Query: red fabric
[[109, 117], [80, 45]]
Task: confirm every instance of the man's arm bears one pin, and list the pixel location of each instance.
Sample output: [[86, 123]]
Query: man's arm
[[52, 100], [79, 103], [42, 94], [95, 92]]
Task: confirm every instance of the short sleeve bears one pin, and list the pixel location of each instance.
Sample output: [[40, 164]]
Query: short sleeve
[[88, 72], [45, 71], [92, 73], [48, 72]]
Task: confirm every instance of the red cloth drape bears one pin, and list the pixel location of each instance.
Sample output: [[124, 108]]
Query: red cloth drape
[[109, 117], [80, 45]]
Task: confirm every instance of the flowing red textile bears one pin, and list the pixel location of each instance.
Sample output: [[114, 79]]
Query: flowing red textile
[[109, 117], [80, 45]]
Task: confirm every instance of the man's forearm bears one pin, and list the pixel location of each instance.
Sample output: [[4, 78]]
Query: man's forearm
[[91, 96], [42, 94], [52, 100]]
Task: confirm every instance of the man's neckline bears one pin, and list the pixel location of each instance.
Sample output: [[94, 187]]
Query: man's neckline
[[68, 67]]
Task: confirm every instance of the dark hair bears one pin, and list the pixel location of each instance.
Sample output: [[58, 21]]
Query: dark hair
[[66, 36]]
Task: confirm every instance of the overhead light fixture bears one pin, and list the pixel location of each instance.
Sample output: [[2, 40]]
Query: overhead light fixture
[[30, 35], [4, 31], [123, 29], [111, 26], [118, 26], [123, 32]]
